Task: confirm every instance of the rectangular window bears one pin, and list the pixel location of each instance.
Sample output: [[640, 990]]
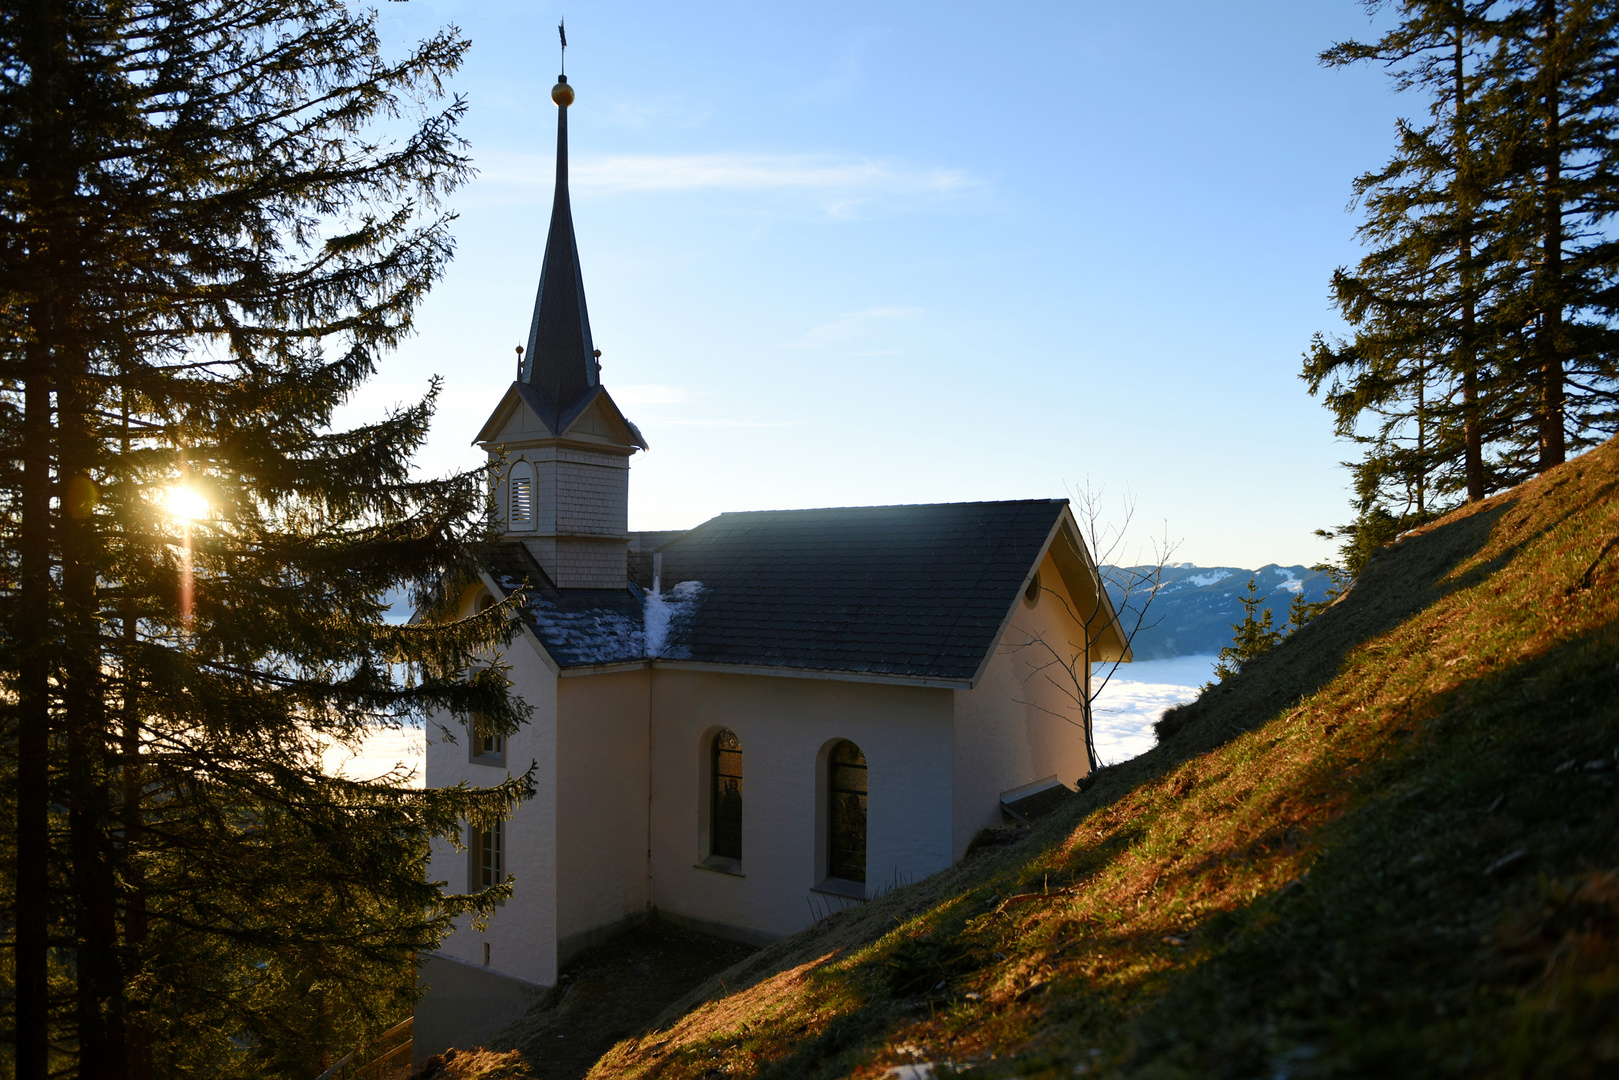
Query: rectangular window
[[488, 746], [488, 856]]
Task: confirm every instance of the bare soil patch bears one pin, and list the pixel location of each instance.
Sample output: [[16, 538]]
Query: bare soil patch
[[608, 993]]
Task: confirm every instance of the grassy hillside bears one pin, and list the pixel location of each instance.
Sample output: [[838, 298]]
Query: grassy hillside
[[1389, 847]]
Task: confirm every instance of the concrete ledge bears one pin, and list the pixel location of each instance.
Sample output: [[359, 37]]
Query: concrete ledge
[[464, 1005], [723, 931]]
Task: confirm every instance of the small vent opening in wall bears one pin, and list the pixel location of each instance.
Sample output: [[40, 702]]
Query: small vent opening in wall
[[1031, 595]]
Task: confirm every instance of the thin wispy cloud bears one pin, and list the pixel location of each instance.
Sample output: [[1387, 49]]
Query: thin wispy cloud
[[651, 394], [840, 184], [725, 422], [858, 333], [847, 74], [761, 172]]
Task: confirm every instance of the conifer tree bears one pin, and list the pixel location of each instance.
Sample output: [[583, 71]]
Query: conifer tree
[[1421, 356], [215, 219], [1252, 636], [1556, 104], [1484, 338]]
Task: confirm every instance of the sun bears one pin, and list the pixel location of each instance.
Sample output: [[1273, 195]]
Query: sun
[[186, 504]]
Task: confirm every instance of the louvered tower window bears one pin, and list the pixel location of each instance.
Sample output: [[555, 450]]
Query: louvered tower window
[[520, 504], [725, 797], [846, 778]]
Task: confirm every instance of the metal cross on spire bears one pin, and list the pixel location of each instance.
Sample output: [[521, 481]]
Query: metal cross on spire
[[563, 34]]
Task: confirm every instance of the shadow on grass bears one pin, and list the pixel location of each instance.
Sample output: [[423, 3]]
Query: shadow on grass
[[1394, 957], [1394, 587], [1386, 958]]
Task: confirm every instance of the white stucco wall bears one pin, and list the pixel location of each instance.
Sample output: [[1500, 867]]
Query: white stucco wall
[[601, 799], [522, 934], [1017, 725], [786, 726]]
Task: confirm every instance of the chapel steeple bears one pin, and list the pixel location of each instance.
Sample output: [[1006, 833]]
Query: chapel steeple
[[561, 446], [560, 362]]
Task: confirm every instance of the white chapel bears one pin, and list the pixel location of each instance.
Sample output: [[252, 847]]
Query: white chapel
[[736, 726]]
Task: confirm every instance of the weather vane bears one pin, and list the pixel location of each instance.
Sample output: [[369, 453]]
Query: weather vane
[[563, 34]]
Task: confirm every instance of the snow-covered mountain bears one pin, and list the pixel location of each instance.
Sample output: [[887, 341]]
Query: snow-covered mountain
[[1195, 606]]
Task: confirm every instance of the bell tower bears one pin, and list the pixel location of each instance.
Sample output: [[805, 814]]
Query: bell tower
[[562, 446]]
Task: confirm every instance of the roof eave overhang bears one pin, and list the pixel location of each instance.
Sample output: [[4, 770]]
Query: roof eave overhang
[[1104, 627], [509, 402], [1068, 550], [825, 674], [631, 435], [518, 394]]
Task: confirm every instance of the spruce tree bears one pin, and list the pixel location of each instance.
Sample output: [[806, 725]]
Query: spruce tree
[[1483, 312], [1556, 104], [1420, 362], [1250, 637], [217, 218]]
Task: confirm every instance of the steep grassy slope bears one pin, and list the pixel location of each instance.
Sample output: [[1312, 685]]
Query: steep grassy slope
[[1387, 848]]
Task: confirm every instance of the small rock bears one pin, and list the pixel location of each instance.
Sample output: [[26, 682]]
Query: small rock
[[1506, 862], [922, 1070], [1029, 991], [1599, 765], [974, 996], [1178, 942], [1565, 766]]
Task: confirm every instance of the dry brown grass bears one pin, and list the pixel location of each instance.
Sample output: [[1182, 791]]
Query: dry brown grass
[[1294, 883]]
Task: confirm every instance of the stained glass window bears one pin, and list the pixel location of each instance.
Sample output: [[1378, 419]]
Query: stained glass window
[[846, 776], [725, 798]]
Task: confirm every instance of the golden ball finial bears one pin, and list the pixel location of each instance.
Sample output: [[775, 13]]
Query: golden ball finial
[[562, 93]]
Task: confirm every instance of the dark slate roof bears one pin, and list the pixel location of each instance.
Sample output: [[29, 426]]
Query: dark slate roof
[[916, 591], [578, 627], [642, 547], [559, 362], [897, 590]]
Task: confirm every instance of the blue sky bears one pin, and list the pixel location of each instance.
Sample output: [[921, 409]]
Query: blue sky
[[842, 254]]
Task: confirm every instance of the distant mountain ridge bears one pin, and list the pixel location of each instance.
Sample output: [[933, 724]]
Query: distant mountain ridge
[[1196, 606]]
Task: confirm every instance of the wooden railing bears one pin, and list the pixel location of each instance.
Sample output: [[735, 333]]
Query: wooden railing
[[381, 1061]]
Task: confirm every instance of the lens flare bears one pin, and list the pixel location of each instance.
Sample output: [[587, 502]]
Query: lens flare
[[185, 504]]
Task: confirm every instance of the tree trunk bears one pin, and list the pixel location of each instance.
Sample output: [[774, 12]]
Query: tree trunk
[[137, 1029], [1549, 341], [91, 819], [1467, 347], [31, 637]]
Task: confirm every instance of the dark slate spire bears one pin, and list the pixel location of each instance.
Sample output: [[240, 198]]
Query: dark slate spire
[[559, 362]]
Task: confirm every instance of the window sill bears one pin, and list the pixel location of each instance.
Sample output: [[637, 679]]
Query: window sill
[[721, 865], [494, 761], [849, 890]]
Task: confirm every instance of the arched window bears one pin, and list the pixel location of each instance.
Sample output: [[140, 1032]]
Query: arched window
[[725, 797], [846, 780], [520, 497]]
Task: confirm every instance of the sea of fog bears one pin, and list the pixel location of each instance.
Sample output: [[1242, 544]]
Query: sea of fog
[[1135, 697]]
